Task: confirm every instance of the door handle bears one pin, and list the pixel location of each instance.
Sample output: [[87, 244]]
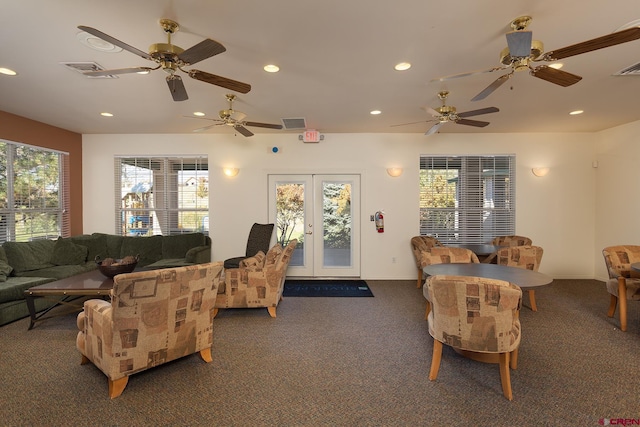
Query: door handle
[[309, 232]]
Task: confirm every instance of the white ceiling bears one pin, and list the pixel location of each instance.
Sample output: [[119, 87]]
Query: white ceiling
[[336, 59]]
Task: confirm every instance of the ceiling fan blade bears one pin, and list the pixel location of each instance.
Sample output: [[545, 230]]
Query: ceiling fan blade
[[552, 75], [476, 123], [262, 125], [176, 87], [206, 127], [115, 41], [479, 112], [431, 111], [519, 43], [433, 129], [203, 50], [205, 118], [220, 81], [470, 73], [492, 87], [412, 123], [119, 71], [608, 40], [243, 130]]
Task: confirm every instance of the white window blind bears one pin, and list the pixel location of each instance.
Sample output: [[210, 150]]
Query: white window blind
[[34, 193], [467, 199], [161, 195]]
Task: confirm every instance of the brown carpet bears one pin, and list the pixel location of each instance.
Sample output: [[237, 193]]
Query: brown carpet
[[340, 362]]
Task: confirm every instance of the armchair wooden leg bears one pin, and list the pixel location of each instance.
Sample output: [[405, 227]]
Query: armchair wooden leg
[[513, 363], [206, 355], [419, 284], [215, 312], [622, 296], [272, 311], [116, 387], [505, 376], [532, 300], [84, 360], [426, 314], [435, 360], [613, 303]]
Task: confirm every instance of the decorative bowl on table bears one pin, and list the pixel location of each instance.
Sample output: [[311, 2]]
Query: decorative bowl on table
[[111, 266]]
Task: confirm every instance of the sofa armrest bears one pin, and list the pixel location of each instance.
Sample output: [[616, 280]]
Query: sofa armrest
[[199, 255]]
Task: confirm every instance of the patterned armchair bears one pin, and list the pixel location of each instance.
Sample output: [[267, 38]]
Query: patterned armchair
[[154, 317], [511, 241], [623, 283], [258, 282], [477, 317], [446, 255], [527, 257], [419, 245]]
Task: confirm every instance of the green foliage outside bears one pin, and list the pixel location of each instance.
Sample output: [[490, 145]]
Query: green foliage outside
[[29, 193]]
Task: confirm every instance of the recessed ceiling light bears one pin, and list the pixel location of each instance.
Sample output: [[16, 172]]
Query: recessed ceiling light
[[556, 65], [198, 113], [105, 114], [402, 66], [375, 112], [576, 112], [7, 71], [96, 43], [271, 68]]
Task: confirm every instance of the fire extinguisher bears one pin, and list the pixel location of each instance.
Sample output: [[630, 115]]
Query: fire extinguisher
[[379, 217]]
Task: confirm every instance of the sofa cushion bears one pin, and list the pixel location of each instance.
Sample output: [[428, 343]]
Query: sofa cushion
[[5, 270], [55, 271], [253, 263], [13, 289], [177, 245], [114, 244], [149, 248], [27, 256], [273, 255], [65, 252], [96, 245]]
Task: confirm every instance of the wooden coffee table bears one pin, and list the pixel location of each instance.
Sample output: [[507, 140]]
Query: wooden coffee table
[[91, 283]]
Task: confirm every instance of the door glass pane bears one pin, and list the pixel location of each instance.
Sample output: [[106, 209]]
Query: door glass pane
[[336, 223], [290, 218]]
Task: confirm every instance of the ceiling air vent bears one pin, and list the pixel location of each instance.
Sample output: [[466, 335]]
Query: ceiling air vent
[[633, 70], [294, 123], [82, 67]]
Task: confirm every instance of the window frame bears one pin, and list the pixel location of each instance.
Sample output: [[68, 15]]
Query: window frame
[[482, 190], [59, 188], [160, 208]]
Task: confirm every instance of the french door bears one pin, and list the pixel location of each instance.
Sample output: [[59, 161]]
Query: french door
[[323, 213]]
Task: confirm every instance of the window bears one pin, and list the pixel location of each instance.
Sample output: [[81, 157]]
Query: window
[[34, 193], [161, 195], [467, 199]]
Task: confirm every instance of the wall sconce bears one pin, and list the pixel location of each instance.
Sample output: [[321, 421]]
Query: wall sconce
[[394, 172], [230, 171], [540, 171]]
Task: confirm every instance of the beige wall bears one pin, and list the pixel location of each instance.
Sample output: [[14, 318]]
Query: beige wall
[[557, 211], [617, 205], [21, 130]]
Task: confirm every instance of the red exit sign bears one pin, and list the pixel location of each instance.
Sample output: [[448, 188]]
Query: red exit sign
[[311, 135]]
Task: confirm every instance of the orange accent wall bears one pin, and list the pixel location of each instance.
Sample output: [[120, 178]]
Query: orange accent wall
[[22, 130]]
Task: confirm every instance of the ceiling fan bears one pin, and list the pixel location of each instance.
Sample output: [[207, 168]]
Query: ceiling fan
[[522, 51], [234, 119], [446, 113], [172, 58]]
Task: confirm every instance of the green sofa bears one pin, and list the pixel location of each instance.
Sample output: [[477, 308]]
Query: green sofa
[[27, 264]]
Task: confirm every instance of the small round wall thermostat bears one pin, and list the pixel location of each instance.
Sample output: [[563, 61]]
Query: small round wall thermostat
[[275, 149]]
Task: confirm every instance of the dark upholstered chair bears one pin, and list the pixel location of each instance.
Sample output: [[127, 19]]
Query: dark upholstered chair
[[479, 318], [527, 257], [419, 245], [259, 240], [624, 282]]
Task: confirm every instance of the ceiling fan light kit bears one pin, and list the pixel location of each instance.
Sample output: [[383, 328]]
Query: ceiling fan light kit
[[522, 51]]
